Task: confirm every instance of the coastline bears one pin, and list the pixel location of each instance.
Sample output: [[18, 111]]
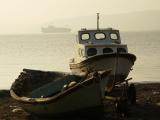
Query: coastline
[[147, 107]]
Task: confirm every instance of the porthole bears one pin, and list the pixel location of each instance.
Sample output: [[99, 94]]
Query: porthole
[[121, 50], [100, 36], [114, 36], [91, 51], [85, 36], [107, 50]]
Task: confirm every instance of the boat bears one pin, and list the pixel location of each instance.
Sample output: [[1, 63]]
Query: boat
[[102, 62], [53, 29], [45, 93], [101, 49]]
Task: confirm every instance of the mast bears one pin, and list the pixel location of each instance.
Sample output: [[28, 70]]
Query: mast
[[97, 21]]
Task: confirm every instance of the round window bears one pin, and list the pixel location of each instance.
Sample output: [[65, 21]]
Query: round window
[[114, 36], [107, 50], [91, 51], [100, 36], [121, 50], [85, 36]]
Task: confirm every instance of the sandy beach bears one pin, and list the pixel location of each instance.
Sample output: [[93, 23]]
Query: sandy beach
[[147, 107]]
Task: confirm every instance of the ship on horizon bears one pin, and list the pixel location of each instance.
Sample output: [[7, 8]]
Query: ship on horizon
[[53, 29]]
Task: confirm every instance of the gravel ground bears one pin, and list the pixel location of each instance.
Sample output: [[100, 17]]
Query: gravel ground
[[147, 107]]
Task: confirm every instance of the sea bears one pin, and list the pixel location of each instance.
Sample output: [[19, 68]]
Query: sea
[[52, 52]]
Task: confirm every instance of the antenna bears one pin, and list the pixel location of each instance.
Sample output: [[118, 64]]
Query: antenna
[[97, 21]]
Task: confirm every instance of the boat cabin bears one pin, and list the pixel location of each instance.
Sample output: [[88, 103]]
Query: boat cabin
[[98, 42], [94, 42]]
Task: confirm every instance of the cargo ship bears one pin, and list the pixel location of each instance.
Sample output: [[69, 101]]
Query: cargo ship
[[53, 29]]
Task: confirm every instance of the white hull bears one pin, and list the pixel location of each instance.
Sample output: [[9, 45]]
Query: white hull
[[120, 64]]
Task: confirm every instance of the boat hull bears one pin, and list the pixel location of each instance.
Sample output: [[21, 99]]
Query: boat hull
[[120, 64], [84, 95], [80, 99]]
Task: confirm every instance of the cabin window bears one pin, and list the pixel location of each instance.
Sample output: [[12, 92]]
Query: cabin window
[[100, 36], [114, 36], [107, 50], [121, 50], [85, 36], [91, 51]]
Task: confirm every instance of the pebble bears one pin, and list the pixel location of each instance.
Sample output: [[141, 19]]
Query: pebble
[[12, 106], [158, 104], [17, 110], [156, 93]]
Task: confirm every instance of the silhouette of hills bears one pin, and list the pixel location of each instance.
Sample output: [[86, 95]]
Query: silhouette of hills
[[135, 21]]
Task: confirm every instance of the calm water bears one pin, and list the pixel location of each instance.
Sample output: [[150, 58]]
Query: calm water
[[53, 51]]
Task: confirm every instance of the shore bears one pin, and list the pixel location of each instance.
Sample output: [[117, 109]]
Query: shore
[[147, 107]]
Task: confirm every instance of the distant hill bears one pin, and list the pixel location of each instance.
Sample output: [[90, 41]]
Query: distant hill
[[135, 21]]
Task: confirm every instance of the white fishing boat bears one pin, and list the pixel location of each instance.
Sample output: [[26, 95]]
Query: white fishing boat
[[101, 49]]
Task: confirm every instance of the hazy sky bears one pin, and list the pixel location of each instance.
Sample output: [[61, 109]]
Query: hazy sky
[[24, 12]]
